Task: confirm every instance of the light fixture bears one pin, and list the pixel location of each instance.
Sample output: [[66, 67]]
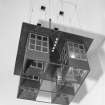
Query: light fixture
[[52, 50], [63, 74], [56, 38], [55, 45]]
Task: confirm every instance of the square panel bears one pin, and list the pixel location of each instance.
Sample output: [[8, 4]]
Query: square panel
[[44, 96], [60, 98], [32, 41], [28, 93], [38, 48], [29, 83], [38, 42], [48, 86], [75, 75]]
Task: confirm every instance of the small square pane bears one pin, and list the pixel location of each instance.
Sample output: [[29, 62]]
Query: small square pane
[[32, 36], [45, 49], [39, 65], [38, 48], [39, 37], [75, 45], [33, 64], [32, 46], [81, 46], [45, 44], [38, 42], [32, 41], [44, 38]]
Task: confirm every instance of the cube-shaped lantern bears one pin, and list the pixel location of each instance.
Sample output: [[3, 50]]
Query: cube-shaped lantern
[[52, 64]]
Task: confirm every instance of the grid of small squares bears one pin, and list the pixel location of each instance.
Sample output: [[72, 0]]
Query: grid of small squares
[[38, 43], [78, 50]]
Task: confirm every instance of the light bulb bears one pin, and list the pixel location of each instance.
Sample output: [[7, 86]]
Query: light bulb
[[52, 50], [54, 45], [56, 38]]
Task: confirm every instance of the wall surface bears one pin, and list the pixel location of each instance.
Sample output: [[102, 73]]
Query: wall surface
[[88, 15]]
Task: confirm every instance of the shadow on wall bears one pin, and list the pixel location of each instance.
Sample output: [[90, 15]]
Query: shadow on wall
[[96, 69], [95, 66], [102, 55], [81, 94]]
